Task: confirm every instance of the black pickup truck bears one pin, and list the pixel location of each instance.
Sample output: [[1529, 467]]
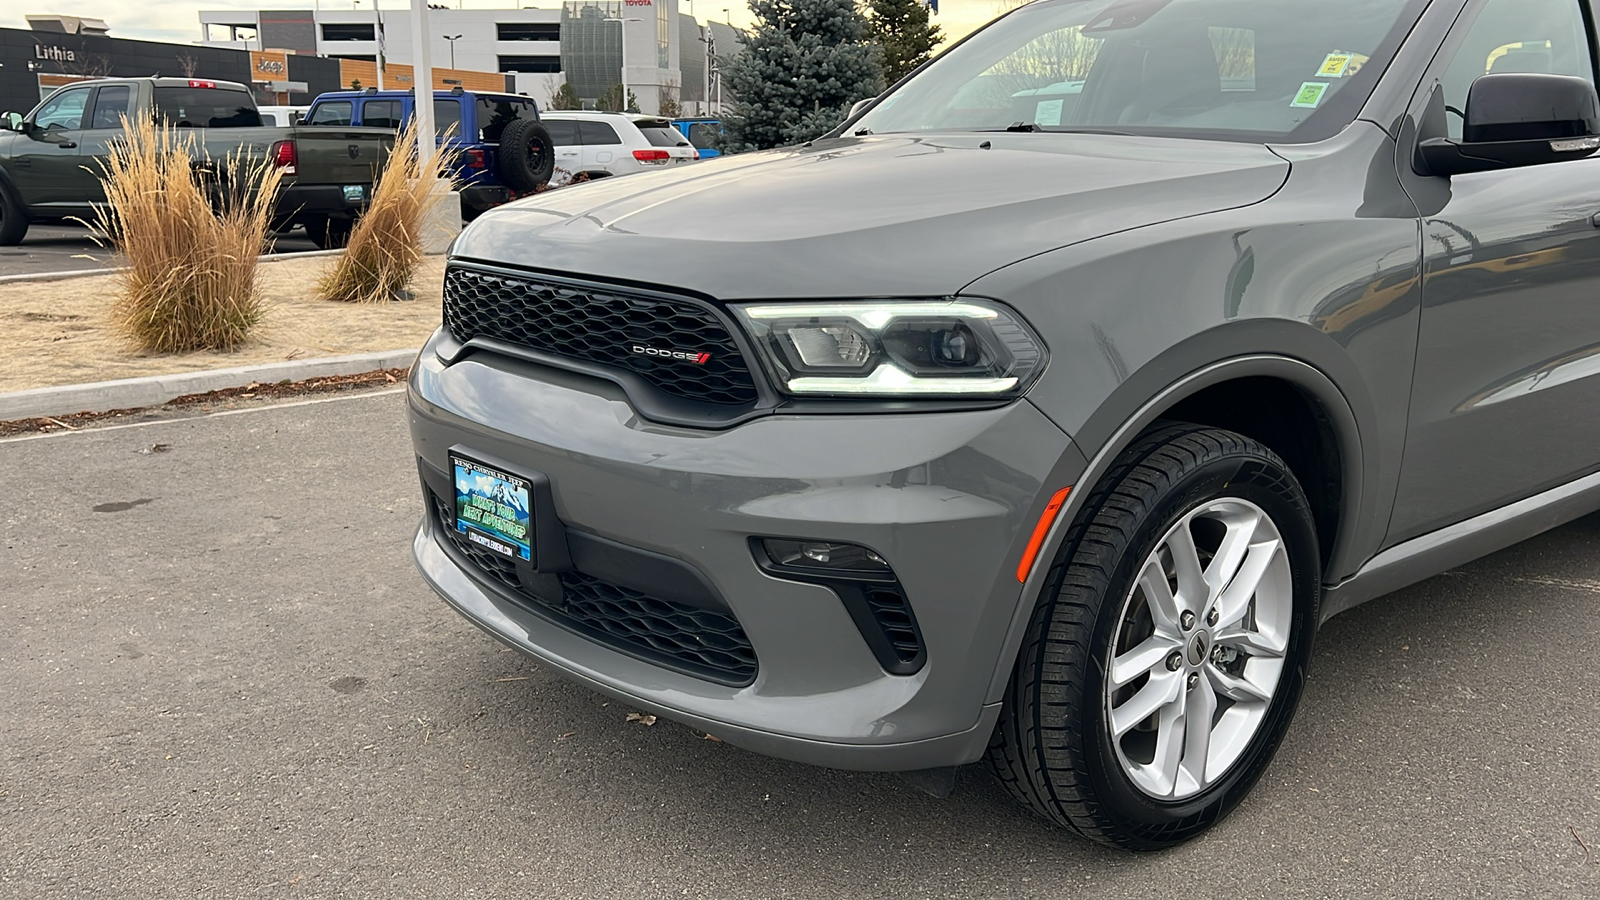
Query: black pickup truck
[[50, 159]]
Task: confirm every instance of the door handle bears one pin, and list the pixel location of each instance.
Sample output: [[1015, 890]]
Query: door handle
[[68, 145]]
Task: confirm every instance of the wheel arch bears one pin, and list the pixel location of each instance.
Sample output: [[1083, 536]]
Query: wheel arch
[[1202, 394]]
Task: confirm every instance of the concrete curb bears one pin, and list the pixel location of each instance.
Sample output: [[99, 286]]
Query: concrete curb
[[84, 273], [154, 390]]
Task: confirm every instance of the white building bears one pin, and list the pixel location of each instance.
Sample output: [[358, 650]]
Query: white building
[[594, 44]]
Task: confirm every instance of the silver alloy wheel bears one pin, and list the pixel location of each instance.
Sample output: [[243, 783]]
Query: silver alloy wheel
[[1199, 648]]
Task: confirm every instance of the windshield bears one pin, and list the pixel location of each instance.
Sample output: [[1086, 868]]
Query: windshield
[[1290, 70]]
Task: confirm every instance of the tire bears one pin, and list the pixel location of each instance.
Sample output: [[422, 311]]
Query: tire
[[13, 217], [328, 232], [527, 155], [1072, 746]]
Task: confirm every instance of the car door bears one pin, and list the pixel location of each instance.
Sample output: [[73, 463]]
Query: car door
[[568, 148], [113, 104], [47, 162], [1506, 397], [601, 144]]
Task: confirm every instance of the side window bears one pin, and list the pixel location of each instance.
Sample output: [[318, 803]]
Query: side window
[[1517, 36], [702, 135], [447, 117], [381, 114], [111, 106], [334, 112], [598, 133], [64, 111], [563, 132]]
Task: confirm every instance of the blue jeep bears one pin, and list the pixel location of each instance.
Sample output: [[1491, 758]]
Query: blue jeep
[[505, 152], [702, 132]]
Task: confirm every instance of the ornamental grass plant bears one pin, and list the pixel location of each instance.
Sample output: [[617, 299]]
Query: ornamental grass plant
[[190, 230], [387, 242]]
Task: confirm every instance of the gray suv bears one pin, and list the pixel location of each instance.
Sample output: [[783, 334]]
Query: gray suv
[[1044, 410]]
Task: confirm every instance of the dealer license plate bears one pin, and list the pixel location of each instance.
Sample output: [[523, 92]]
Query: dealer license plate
[[492, 509]]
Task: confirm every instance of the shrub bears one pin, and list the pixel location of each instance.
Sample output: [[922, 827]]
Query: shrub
[[190, 231], [386, 245]]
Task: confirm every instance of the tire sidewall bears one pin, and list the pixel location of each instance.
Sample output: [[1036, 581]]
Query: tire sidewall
[[1268, 485]]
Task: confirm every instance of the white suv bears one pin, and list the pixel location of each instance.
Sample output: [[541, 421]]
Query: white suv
[[601, 144]]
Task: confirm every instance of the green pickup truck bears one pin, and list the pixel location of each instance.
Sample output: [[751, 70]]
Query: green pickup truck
[[50, 159]]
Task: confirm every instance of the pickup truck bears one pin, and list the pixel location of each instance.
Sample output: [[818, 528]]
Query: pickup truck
[[50, 158], [505, 152]]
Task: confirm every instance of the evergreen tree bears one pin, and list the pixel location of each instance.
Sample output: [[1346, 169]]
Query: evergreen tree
[[799, 71], [902, 29]]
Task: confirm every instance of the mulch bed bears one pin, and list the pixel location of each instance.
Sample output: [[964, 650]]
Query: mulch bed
[[227, 398]]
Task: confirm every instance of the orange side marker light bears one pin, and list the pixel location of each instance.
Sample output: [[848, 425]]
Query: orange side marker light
[[1051, 510]]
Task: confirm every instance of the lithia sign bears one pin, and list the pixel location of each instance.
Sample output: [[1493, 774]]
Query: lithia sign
[[54, 54]]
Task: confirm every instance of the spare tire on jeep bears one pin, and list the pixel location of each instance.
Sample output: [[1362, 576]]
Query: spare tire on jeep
[[527, 155]]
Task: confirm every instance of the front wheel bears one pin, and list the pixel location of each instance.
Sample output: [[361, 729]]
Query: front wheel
[[1164, 662], [13, 217]]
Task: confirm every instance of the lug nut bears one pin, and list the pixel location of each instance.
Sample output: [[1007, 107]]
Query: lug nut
[[1194, 680], [1211, 617], [1175, 662], [1186, 620], [1218, 655]]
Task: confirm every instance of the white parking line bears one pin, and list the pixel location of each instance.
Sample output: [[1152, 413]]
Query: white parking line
[[226, 412]]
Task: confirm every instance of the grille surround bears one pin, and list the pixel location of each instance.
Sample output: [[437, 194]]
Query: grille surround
[[600, 325], [699, 642]]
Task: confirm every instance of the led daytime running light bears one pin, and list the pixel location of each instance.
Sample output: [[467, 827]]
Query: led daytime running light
[[874, 317]]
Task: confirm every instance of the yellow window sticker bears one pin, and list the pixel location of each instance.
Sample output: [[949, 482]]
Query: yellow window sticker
[[1334, 66], [1310, 95]]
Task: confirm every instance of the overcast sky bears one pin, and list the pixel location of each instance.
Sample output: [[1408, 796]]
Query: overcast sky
[[177, 20]]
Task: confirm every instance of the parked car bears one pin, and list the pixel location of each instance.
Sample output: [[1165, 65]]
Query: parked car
[[603, 144], [704, 133], [51, 158], [505, 151], [282, 115], [1050, 436]]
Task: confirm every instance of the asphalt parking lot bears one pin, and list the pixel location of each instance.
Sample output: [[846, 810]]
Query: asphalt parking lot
[[223, 678], [68, 247]]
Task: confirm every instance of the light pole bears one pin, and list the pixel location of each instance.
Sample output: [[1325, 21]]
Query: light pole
[[452, 39], [623, 32]]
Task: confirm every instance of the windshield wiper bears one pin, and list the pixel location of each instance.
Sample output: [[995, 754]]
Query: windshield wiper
[[1035, 128]]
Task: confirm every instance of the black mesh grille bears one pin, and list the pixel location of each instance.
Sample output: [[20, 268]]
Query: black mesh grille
[[602, 326], [702, 642], [696, 636]]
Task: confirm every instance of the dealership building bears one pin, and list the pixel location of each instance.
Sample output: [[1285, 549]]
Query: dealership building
[[290, 56], [594, 45]]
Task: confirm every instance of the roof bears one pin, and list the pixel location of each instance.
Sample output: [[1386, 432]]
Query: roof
[[635, 118]]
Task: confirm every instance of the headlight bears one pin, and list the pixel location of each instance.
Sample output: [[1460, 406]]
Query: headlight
[[895, 348]]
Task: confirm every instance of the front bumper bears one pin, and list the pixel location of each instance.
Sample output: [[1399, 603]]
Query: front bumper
[[948, 498]]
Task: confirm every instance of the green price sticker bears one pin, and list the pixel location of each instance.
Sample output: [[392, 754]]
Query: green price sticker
[[1310, 95]]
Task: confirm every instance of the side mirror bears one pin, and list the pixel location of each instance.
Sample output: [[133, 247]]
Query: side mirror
[[10, 121], [1512, 120]]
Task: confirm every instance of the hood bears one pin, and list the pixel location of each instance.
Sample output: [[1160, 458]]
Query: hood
[[894, 215]]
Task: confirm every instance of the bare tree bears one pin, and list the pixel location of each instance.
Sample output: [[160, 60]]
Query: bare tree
[[669, 105], [188, 64]]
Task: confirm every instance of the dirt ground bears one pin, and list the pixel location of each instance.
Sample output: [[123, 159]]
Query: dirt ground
[[54, 333]]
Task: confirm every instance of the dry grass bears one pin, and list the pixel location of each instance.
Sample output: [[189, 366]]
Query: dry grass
[[386, 245], [190, 241], [61, 332]]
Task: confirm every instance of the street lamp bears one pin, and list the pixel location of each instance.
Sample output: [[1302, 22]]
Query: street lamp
[[452, 39], [621, 30]]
